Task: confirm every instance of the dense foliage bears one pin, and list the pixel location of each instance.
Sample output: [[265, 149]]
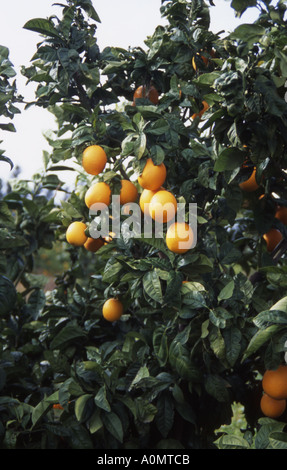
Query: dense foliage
[[167, 374]]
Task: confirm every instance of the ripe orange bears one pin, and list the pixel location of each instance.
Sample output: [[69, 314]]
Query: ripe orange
[[145, 199], [281, 214], [113, 310], [202, 111], [179, 237], [271, 407], [274, 382], [251, 184], [163, 206], [93, 244], [153, 176], [75, 234], [196, 59], [98, 193], [57, 406], [144, 92], [272, 238], [94, 159], [128, 193]]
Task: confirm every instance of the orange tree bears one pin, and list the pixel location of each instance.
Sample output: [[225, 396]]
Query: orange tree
[[194, 332]]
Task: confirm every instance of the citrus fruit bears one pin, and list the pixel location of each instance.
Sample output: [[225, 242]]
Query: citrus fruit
[[274, 382], [250, 184], [146, 92], [163, 206], [271, 407], [94, 159], [272, 238], [196, 60], [153, 176], [98, 193], [57, 406], [93, 244], [145, 199], [128, 193], [75, 234], [113, 310], [179, 237], [202, 111], [281, 214]]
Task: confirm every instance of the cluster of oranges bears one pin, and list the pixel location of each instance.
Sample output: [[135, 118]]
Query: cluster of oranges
[[161, 205], [274, 384], [155, 200], [273, 237]]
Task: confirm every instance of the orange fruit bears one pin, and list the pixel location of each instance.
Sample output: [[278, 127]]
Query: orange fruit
[[145, 199], [274, 382], [202, 111], [271, 407], [179, 237], [153, 176], [197, 58], [93, 244], [94, 159], [272, 238], [113, 310], [144, 92], [98, 193], [57, 406], [250, 184], [281, 214], [128, 193], [163, 206], [75, 234]]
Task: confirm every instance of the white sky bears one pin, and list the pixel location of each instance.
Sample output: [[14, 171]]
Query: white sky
[[124, 23]]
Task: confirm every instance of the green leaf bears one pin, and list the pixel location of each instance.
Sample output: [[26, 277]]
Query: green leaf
[[160, 345], [6, 217], [7, 160], [208, 78], [216, 386], [260, 338], [88, 7], [164, 418], [232, 338], [95, 423], [69, 333], [82, 410], [114, 425], [42, 26], [40, 411], [241, 5], [142, 373], [36, 303], [227, 291], [229, 441], [8, 127], [229, 159], [101, 399], [278, 440], [152, 286], [8, 295], [248, 32], [269, 317]]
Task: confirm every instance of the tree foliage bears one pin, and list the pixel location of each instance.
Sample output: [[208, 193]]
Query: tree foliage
[[165, 375]]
